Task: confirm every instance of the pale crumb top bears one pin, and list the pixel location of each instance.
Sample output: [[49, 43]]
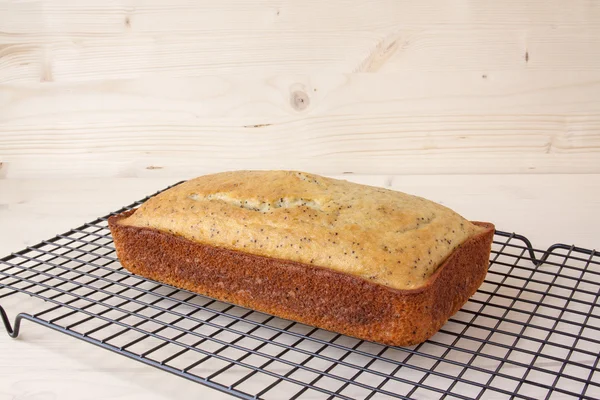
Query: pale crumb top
[[384, 236]]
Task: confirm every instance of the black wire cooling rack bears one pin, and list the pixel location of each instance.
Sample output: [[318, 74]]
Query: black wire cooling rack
[[530, 332]]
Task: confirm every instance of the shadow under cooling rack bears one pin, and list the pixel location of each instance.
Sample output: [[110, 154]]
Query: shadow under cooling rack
[[532, 331]]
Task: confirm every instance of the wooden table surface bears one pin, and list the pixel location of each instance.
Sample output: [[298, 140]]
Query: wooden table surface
[[43, 365]]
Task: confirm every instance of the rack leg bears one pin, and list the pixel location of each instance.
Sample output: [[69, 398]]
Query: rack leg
[[13, 331]]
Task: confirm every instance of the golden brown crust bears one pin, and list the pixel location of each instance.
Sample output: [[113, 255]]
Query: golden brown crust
[[388, 237], [305, 293]]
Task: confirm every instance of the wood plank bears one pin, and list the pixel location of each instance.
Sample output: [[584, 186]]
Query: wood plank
[[40, 58], [75, 41], [328, 123], [89, 16]]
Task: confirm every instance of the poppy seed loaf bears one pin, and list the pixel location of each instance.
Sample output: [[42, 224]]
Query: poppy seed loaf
[[365, 261]]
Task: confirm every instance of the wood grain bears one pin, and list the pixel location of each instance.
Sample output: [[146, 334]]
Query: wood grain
[[138, 88], [67, 41], [363, 123]]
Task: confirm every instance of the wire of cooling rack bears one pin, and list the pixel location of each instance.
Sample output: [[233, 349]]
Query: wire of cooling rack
[[530, 332]]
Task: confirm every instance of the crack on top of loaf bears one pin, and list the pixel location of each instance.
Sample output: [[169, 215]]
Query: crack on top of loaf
[[420, 223], [258, 205], [309, 178]]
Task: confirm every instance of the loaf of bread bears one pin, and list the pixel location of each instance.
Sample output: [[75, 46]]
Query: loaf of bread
[[364, 261]]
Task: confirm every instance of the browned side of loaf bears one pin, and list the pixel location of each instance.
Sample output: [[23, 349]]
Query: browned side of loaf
[[305, 293]]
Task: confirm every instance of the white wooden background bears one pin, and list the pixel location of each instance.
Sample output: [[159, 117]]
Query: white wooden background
[[134, 88]]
